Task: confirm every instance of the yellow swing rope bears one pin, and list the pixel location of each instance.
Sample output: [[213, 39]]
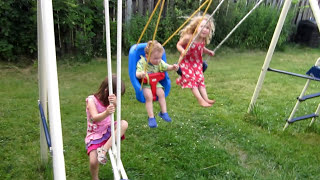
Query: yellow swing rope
[[194, 33], [194, 13], [149, 20], [153, 38]]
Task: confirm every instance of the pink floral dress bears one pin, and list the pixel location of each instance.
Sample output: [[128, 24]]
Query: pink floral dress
[[191, 67]]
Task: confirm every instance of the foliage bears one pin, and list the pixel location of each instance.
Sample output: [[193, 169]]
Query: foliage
[[262, 22], [133, 31], [166, 28], [80, 30], [18, 29]]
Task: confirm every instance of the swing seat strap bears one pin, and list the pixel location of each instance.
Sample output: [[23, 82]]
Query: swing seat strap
[[153, 79]]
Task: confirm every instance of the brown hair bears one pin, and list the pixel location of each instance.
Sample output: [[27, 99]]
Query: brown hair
[[103, 92], [191, 27], [156, 46]]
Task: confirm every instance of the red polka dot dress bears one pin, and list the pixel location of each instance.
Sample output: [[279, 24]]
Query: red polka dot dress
[[191, 67]]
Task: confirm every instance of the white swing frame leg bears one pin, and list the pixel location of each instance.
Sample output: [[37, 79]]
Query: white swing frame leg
[[314, 118], [316, 11], [297, 104]]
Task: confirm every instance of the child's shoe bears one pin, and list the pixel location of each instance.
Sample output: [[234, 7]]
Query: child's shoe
[[165, 116], [102, 158], [152, 122]]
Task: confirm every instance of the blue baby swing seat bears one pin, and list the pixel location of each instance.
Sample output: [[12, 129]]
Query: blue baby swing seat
[[134, 56]]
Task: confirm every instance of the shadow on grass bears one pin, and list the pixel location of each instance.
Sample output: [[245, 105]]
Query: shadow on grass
[[313, 128]]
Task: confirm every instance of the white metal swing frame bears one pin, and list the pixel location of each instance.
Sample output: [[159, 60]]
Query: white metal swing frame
[[316, 12], [48, 88], [49, 91]]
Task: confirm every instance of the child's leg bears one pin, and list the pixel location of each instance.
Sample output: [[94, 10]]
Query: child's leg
[[149, 101], [162, 100], [200, 99], [124, 127], [204, 95], [94, 165]]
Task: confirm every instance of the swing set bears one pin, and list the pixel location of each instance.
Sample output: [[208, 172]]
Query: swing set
[[137, 51], [312, 74]]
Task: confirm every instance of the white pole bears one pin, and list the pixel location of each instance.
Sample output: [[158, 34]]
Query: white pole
[[109, 65], [272, 46], [119, 35], [314, 118], [116, 174], [318, 109], [316, 11], [53, 93], [42, 85], [297, 104], [122, 171]]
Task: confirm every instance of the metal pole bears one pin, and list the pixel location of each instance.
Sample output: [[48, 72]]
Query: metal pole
[[272, 46], [119, 35], [109, 64], [316, 11], [314, 118], [42, 85], [53, 91], [297, 104]]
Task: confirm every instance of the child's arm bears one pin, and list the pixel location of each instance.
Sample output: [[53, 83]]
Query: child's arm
[[174, 67], [94, 112], [183, 43], [208, 51], [140, 75]]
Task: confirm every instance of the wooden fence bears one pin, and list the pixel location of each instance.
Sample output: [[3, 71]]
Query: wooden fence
[[303, 11]]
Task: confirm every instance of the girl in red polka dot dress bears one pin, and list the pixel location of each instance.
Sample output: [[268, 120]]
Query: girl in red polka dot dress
[[191, 65]]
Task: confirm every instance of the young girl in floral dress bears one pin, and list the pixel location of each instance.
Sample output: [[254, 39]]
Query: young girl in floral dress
[[191, 65]]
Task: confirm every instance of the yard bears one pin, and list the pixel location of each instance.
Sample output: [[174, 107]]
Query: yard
[[220, 142]]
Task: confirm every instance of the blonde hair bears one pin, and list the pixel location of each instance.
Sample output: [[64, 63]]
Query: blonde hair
[[156, 46], [191, 27]]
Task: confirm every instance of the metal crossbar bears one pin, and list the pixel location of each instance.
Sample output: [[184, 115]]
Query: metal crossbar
[[309, 96], [294, 74]]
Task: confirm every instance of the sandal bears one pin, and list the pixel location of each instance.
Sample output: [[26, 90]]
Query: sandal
[[102, 158]]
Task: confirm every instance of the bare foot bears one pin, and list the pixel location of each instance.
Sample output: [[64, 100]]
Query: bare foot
[[205, 104], [211, 101]]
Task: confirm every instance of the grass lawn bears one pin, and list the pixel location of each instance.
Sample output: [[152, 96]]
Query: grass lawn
[[221, 142]]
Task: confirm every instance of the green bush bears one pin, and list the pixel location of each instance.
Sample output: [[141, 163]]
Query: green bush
[[18, 30], [256, 31], [134, 29]]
